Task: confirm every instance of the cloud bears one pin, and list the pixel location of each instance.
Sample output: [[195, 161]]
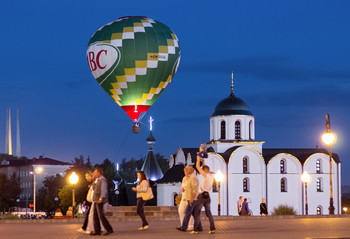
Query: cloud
[[268, 68]]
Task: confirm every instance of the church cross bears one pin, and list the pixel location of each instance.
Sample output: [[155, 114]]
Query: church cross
[[150, 123], [232, 79]]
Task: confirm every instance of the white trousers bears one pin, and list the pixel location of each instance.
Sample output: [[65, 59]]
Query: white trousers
[[181, 210]]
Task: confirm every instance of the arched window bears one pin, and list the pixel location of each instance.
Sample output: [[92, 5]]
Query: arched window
[[175, 195], [246, 185], [238, 130], [223, 130], [215, 186], [318, 166], [283, 166], [251, 129], [319, 210], [283, 185], [319, 185], [245, 165]]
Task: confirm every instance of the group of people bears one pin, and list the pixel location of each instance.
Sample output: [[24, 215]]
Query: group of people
[[195, 196], [243, 207], [95, 222]]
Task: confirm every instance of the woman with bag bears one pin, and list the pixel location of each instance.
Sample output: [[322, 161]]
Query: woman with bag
[[143, 193]]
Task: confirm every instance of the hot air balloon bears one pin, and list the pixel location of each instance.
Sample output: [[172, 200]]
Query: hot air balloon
[[134, 59]]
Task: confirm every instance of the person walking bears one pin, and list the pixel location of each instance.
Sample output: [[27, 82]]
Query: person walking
[[239, 205], [84, 229], [99, 198], [245, 208], [263, 208], [190, 194], [204, 196], [183, 203], [141, 187]]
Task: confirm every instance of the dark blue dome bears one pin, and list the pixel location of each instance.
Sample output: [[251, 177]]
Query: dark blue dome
[[232, 105]]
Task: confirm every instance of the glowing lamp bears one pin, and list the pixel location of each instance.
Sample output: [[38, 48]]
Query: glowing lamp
[[219, 177], [73, 178], [305, 177], [328, 138]]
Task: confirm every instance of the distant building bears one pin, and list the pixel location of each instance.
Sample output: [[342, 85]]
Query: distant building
[[24, 168], [255, 172]]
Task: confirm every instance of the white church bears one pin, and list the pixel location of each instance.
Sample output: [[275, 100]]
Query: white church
[[254, 172]]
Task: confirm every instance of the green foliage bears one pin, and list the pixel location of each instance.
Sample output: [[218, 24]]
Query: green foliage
[[47, 194], [10, 190], [128, 169], [283, 210]]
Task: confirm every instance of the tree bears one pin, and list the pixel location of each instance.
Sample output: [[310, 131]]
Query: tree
[[47, 198], [10, 190]]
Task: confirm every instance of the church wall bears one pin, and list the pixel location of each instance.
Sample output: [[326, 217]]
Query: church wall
[[320, 197], [180, 157], [256, 179], [293, 193], [215, 127], [216, 163], [166, 192]]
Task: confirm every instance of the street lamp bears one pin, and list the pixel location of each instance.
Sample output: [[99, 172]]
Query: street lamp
[[37, 170], [329, 138], [219, 177], [73, 179], [305, 177]]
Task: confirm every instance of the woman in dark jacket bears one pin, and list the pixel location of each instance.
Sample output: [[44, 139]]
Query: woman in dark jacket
[[245, 208]]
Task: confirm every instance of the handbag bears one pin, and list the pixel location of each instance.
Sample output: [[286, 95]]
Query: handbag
[[178, 199], [147, 195]]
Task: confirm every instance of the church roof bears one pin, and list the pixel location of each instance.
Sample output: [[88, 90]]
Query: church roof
[[192, 152], [151, 167], [35, 161], [231, 105], [300, 153], [173, 175]]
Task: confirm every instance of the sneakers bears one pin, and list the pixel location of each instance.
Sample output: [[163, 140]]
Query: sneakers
[[211, 232], [146, 227], [141, 229], [180, 229], [194, 232], [81, 230]]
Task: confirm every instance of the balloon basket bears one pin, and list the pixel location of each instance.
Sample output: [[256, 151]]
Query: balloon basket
[[136, 129]]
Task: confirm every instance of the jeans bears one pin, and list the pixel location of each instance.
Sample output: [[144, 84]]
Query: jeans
[[201, 201], [189, 211], [99, 218], [140, 211]]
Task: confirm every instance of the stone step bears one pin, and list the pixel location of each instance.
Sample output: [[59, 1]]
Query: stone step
[[150, 211]]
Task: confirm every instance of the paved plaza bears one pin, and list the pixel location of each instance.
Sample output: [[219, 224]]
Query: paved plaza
[[338, 227]]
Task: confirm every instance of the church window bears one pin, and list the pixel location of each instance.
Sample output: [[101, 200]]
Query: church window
[[318, 166], [215, 186], [250, 129], [246, 185], [245, 165], [223, 130], [175, 195], [238, 130], [283, 166], [319, 185], [319, 210], [283, 185]]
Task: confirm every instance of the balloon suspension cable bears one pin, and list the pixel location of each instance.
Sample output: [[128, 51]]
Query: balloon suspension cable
[[122, 144]]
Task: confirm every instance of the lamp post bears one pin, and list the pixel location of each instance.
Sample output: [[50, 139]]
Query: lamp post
[[73, 179], [305, 177], [329, 138], [219, 177], [37, 170]]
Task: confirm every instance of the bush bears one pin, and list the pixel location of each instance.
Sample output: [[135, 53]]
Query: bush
[[9, 217], [283, 210]]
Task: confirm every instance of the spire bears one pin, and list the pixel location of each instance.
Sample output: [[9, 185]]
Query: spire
[[8, 146], [232, 79], [150, 165], [18, 139]]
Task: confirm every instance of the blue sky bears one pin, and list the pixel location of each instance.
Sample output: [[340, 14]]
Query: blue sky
[[291, 61]]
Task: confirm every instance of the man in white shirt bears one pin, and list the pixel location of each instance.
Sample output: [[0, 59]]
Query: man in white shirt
[[203, 198]]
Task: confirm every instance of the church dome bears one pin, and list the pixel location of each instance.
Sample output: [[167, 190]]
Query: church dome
[[231, 105]]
